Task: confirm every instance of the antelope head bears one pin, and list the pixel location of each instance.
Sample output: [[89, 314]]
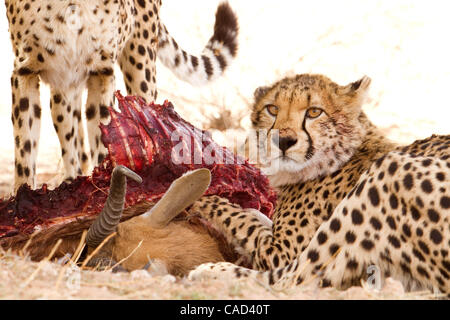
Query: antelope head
[[175, 244]]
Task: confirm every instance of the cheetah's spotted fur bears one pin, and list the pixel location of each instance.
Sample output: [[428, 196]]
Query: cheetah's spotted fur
[[363, 201], [72, 45]]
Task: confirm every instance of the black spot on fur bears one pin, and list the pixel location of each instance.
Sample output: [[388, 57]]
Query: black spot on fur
[[415, 213], [37, 111], [374, 196], [424, 247], [352, 264], [144, 86], [90, 112], [24, 104], [27, 146], [57, 98], [104, 113], [350, 237], [423, 272], [391, 222], [436, 236], [418, 255], [357, 217], [426, 186], [313, 255], [445, 202], [322, 237], [393, 201], [367, 244], [426, 162], [24, 71], [250, 231], [19, 169], [394, 241], [334, 248], [433, 215], [360, 188], [408, 181], [335, 225], [406, 230], [392, 168], [376, 224]]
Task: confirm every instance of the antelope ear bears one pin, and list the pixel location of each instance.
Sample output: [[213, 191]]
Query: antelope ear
[[260, 92], [183, 192], [359, 87]]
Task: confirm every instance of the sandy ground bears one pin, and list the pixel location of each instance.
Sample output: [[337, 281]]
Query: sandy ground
[[21, 279], [401, 45]]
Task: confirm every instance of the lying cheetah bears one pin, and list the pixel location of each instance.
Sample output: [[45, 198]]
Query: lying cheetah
[[349, 200], [73, 45]]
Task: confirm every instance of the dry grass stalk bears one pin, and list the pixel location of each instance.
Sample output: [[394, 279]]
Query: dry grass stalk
[[73, 260], [24, 249], [85, 262], [127, 257], [77, 254], [41, 264]]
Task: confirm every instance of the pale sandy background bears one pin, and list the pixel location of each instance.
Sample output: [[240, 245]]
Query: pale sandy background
[[402, 45]]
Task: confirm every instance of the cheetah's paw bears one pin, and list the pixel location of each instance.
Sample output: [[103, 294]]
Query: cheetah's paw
[[212, 271]]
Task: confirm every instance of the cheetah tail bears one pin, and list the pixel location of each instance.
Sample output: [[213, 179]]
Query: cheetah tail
[[217, 55]]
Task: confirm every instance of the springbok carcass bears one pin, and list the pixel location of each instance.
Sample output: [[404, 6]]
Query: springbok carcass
[[153, 238], [160, 231]]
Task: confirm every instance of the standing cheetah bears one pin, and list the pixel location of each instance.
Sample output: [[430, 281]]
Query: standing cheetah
[[350, 202], [73, 45]]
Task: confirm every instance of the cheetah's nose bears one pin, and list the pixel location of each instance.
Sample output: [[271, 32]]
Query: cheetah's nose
[[284, 143]]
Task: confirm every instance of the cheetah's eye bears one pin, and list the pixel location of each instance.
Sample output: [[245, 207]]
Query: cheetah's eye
[[272, 109], [313, 112]]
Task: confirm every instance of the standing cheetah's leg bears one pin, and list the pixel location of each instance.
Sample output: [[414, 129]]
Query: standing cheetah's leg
[[137, 62], [79, 136], [26, 120], [82, 155], [248, 231], [66, 113], [101, 88]]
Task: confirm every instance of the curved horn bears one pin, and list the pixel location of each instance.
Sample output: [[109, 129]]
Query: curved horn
[[106, 222], [183, 192]]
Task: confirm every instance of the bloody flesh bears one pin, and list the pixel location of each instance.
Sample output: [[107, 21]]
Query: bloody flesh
[[141, 137]]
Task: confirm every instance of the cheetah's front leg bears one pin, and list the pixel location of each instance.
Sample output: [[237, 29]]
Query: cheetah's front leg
[[137, 62], [66, 113], [26, 119], [101, 86], [247, 229]]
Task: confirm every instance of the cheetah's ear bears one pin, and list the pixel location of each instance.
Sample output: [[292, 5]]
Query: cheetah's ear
[[355, 93], [260, 92], [359, 87]]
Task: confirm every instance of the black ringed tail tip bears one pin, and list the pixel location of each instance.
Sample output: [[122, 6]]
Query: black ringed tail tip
[[226, 27]]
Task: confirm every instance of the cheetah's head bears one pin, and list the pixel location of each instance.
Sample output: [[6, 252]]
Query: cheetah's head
[[306, 126]]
